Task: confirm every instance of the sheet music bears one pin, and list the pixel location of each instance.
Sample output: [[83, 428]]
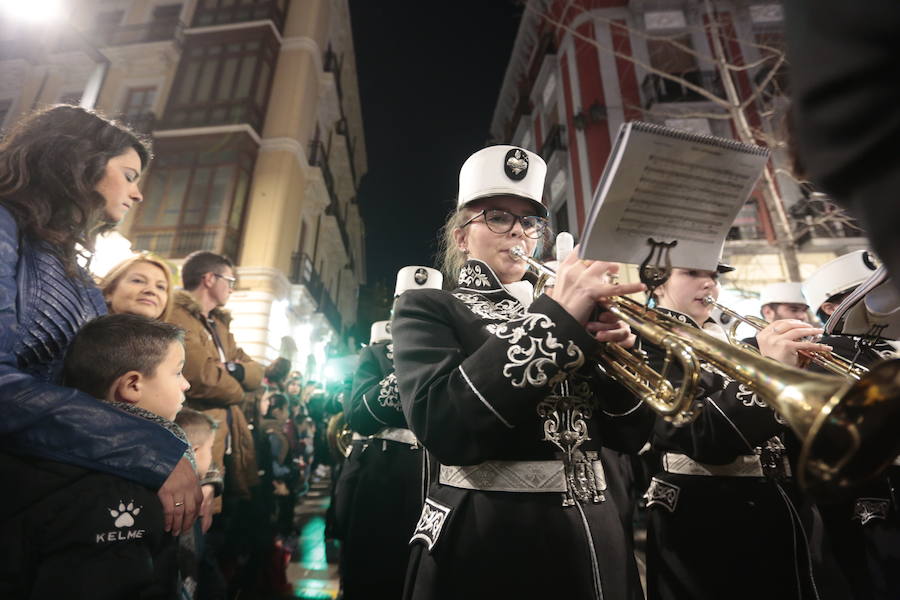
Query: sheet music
[[669, 185]]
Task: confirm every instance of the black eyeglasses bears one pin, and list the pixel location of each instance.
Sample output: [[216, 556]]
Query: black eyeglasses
[[231, 281], [502, 221]]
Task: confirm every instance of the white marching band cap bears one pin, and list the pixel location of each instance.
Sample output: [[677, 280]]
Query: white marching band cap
[[416, 277], [381, 332], [783, 293], [503, 171], [837, 276]]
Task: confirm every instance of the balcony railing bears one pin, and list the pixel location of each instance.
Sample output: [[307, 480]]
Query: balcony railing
[[303, 273], [658, 89], [177, 243], [140, 33], [318, 157], [328, 308], [555, 140], [228, 112], [239, 12]]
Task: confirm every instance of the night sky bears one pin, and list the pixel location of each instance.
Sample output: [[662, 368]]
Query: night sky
[[429, 77]]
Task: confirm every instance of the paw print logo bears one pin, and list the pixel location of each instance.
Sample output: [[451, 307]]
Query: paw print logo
[[124, 515]]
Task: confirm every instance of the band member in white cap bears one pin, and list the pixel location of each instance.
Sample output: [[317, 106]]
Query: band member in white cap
[[385, 467], [505, 397], [864, 529], [724, 518], [783, 300], [831, 282]]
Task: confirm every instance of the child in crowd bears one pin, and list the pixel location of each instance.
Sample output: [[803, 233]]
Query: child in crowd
[[200, 430], [69, 532]]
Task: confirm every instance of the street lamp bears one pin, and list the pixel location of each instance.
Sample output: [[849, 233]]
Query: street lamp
[[51, 12], [32, 11]]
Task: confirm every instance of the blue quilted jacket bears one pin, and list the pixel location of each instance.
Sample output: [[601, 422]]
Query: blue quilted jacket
[[41, 309]]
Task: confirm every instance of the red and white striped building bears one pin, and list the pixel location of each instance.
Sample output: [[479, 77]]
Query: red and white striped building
[[580, 68]]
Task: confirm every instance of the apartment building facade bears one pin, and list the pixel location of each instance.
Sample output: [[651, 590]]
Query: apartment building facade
[[254, 113], [580, 69]]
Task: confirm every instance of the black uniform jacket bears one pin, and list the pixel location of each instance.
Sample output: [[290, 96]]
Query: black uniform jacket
[[380, 488], [69, 532], [478, 376], [713, 536], [864, 530], [375, 401]]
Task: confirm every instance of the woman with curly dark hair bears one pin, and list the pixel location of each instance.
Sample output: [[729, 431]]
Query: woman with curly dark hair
[[67, 174]]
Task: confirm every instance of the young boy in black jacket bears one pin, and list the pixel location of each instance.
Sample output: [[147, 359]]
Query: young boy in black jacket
[[69, 532]]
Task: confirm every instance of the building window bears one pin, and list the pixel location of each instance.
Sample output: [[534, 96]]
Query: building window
[[747, 224], [137, 110], [561, 218], [138, 101], [195, 196], [223, 81], [527, 140], [549, 89]]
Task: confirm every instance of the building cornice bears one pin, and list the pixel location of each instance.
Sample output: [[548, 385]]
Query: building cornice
[[286, 144], [304, 43]]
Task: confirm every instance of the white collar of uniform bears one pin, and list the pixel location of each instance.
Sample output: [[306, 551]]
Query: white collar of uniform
[[523, 291], [477, 276]]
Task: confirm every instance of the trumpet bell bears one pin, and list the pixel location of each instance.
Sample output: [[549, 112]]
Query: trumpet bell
[[339, 437], [856, 433]]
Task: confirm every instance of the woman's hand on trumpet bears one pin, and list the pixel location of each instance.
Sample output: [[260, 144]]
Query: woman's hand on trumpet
[[783, 340], [583, 284], [607, 328]]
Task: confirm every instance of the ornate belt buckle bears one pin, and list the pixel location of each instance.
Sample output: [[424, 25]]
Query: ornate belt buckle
[[581, 481], [771, 458]]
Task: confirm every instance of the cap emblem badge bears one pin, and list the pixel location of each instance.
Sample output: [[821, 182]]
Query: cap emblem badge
[[515, 165], [420, 276]]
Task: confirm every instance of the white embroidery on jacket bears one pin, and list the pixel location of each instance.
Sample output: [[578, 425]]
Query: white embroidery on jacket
[[389, 396], [748, 397], [472, 275], [504, 310], [529, 355], [390, 352], [866, 509]]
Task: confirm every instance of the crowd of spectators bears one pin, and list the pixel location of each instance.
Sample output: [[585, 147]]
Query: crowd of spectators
[[151, 456]]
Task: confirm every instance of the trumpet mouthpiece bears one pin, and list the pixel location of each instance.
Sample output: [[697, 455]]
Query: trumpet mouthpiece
[[517, 252], [709, 300]]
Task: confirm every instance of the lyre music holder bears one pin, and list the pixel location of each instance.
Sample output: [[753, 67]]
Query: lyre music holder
[[657, 267]]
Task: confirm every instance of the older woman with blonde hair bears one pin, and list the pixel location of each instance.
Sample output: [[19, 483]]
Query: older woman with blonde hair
[[140, 285]]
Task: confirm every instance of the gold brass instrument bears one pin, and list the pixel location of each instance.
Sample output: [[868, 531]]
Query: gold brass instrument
[[848, 427], [832, 363], [339, 436], [675, 404]]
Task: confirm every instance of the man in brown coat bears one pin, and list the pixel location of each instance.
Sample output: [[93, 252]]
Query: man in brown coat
[[217, 369]]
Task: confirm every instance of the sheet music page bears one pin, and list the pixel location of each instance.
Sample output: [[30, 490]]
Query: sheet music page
[[667, 188]]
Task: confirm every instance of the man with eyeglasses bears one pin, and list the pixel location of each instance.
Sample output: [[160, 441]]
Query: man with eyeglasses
[[219, 373]]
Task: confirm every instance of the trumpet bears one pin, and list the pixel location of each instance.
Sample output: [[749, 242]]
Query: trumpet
[[848, 427], [832, 363]]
